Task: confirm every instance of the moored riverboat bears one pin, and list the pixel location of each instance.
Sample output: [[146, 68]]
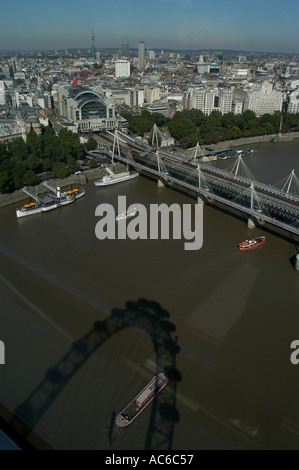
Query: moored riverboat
[[136, 406]]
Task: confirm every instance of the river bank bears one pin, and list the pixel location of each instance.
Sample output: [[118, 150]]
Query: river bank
[[96, 173], [72, 180], [275, 138]]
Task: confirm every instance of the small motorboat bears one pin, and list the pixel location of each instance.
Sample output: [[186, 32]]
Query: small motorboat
[[126, 214], [253, 243]]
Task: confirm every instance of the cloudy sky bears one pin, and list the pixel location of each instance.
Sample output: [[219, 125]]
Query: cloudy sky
[[255, 25]]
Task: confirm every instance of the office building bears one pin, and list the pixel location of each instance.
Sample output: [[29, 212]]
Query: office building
[[204, 99], [225, 100], [208, 99], [141, 61], [2, 93], [151, 94], [129, 96], [261, 99], [293, 105], [93, 50], [122, 68], [125, 50]]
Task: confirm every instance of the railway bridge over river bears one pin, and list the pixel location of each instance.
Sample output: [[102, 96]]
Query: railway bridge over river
[[260, 202]]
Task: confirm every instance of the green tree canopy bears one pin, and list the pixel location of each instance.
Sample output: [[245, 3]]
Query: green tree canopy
[[91, 144], [59, 170]]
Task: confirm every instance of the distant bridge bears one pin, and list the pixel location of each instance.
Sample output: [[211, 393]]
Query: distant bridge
[[237, 189]]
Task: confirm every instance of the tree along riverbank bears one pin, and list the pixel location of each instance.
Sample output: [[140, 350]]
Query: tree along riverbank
[[190, 126], [73, 180], [275, 138]]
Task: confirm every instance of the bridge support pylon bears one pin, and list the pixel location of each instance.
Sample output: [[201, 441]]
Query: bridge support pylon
[[261, 222], [160, 183], [199, 200], [250, 223]]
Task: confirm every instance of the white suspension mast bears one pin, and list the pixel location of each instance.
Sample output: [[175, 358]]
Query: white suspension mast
[[291, 179], [199, 175], [238, 165], [197, 149], [115, 142], [251, 199]]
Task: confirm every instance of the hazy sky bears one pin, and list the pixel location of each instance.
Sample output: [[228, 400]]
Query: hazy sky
[[251, 25]]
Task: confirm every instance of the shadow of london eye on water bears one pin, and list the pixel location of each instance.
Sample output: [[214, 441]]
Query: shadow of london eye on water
[[152, 321]]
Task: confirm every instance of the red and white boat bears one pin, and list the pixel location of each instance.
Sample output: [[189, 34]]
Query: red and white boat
[[141, 401], [126, 214], [253, 243]]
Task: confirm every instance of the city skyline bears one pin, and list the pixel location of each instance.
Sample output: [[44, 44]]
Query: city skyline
[[261, 26]]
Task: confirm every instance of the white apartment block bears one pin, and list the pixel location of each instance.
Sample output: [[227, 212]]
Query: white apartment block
[[203, 68], [237, 107], [151, 94], [239, 72], [225, 100], [129, 96], [261, 100], [122, 68], [293, 105], [2, 93], [211, 99]]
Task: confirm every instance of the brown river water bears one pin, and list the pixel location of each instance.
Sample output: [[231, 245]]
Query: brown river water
[[86, 323]]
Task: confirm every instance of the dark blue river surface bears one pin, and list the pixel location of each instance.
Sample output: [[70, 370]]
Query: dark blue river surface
[[87, 323]]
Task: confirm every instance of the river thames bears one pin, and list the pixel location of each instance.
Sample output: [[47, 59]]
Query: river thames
[[87, 323]]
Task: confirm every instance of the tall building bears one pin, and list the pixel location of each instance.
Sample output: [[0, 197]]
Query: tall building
[[125, 50], [225, 100], [122, 68], [151, 94], [8, 71], [141, 55], [2, 93], [93, 49]]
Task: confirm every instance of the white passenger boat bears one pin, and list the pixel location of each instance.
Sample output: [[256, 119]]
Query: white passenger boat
[[116, 178], [29, 209], [50, 206]]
